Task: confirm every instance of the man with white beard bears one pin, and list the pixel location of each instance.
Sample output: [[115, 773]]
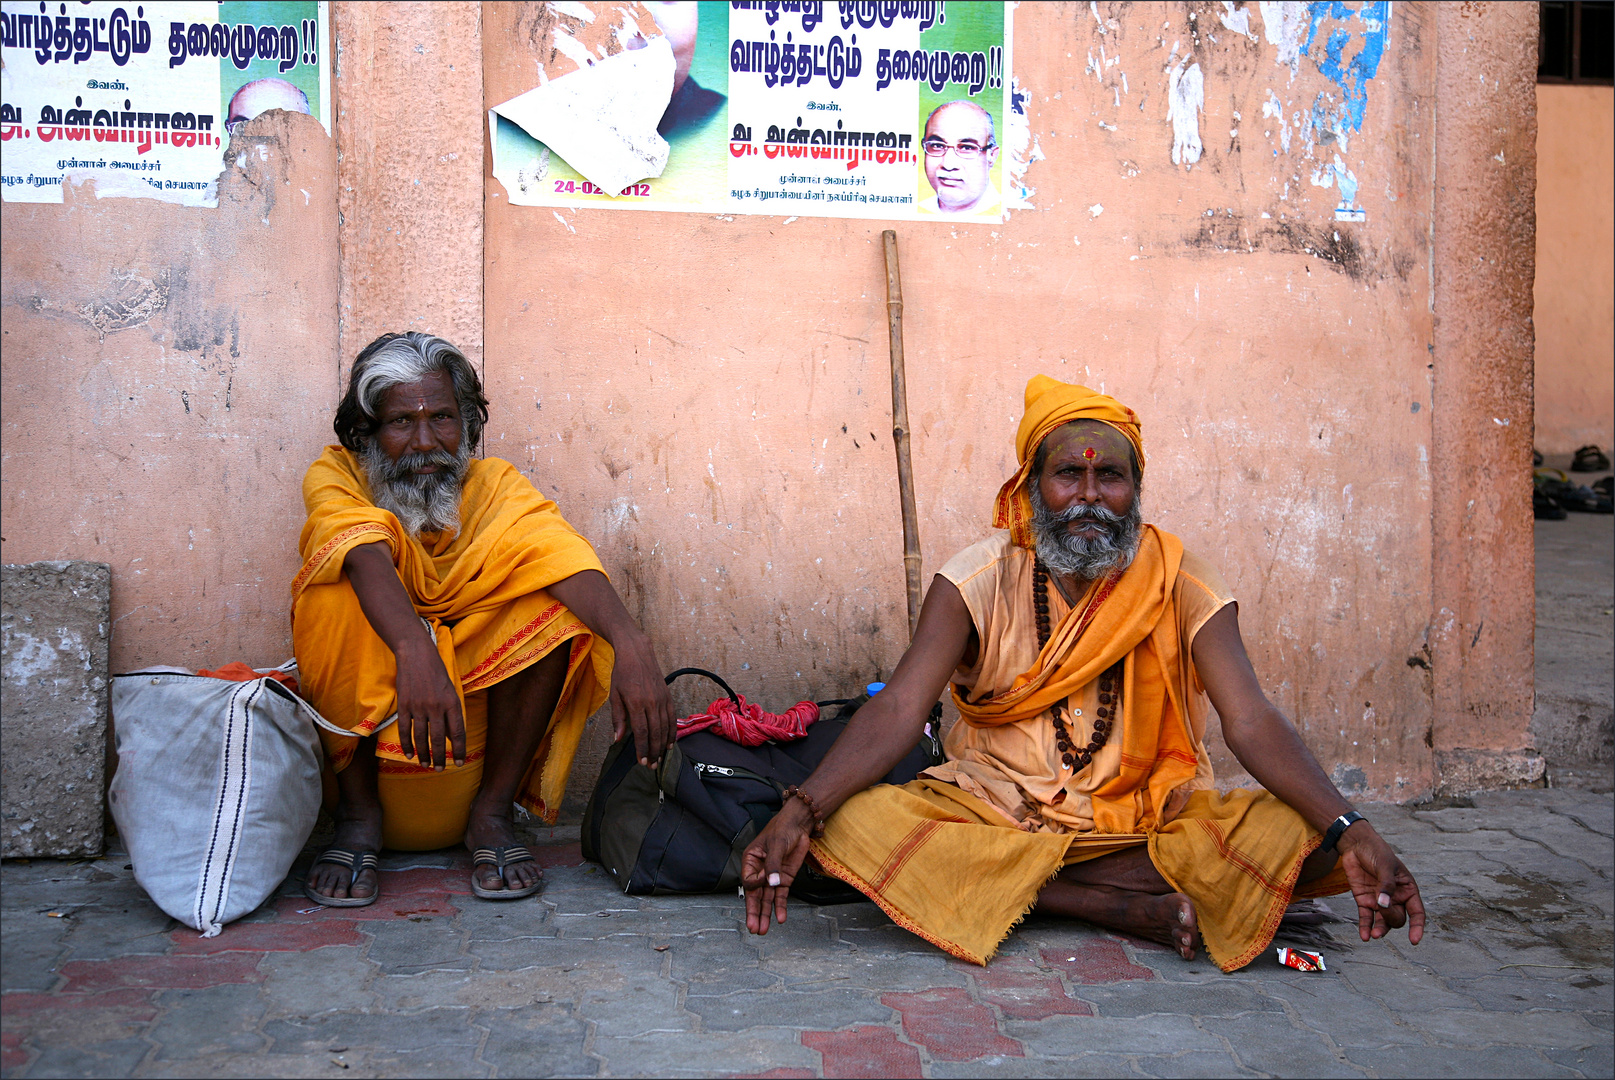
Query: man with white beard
[[450, 619], [1081, 645]]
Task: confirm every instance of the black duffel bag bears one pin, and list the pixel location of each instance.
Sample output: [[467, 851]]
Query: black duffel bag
[[683, 826]]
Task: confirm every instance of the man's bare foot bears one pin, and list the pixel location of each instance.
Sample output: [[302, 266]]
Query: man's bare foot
[[1168, 919], [495, 831], [357, 833]]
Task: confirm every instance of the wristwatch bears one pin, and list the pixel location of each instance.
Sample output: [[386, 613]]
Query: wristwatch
[[1340, 825]]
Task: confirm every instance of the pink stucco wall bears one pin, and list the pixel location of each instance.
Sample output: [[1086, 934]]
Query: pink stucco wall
[[707, 398], [1575, 268], [167, 372]]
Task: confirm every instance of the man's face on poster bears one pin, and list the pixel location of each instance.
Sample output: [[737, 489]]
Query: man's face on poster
[[959, 154]]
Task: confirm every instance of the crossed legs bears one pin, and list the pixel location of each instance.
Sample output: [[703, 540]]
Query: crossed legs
[[1125, 892]]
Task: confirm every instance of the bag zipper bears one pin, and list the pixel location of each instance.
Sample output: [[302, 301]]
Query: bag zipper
[[702, 768]]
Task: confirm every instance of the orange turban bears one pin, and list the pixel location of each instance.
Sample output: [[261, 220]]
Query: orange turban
[[1050, 404]]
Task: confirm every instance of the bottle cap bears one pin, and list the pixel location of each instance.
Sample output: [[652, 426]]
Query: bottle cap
[[874, 688]]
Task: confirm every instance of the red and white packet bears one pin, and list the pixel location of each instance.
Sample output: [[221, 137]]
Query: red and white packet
[[1302, 959]]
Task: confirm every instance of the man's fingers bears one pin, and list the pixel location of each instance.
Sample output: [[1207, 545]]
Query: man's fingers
[[406, 737], [1415, 906], [779, 902], [1414, 903], [641, 738], [1387, 885], [1365, 918], [423, 741], [619, 715], [457, 733], [437, 741]]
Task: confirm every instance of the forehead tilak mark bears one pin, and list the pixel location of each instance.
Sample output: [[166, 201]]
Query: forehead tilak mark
[[1089, 453]]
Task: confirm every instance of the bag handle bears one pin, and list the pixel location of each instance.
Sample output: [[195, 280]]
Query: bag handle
[[704, 672]]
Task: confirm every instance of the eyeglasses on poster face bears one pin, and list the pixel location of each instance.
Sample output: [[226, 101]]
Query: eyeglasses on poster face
[[968, 149]]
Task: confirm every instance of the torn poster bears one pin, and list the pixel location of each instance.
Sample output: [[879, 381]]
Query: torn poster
[[894, 111], [144, 97], [602, 118]]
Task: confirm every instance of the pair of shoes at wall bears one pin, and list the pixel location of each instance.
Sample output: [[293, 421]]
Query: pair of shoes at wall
[[1589, 459], [1553, 494]]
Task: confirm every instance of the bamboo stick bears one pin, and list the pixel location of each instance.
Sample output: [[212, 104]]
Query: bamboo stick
[[900, 432]]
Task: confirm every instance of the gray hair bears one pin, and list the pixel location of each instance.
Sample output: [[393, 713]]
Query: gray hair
[[395, 360]]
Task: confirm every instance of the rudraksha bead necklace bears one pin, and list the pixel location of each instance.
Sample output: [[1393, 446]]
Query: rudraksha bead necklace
[[1074, 758]]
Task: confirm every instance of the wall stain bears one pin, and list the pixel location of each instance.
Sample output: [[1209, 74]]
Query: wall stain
[[1334, 246], [131, 301]]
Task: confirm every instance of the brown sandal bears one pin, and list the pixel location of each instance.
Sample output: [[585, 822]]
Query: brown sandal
[[356, 861], [501, 858]]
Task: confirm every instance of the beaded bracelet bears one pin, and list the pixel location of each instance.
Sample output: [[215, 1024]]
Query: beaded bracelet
[[813, 808]]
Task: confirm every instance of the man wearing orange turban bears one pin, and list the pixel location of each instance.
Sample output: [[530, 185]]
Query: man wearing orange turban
[[1081, 646]]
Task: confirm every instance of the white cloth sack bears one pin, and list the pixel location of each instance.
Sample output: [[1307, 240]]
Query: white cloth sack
[[216, 792]]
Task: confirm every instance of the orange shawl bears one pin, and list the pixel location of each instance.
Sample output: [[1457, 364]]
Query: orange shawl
[[481, 592], [1131, 615]]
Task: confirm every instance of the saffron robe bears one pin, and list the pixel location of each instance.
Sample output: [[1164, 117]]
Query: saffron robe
[[481, 591], [960, 855]]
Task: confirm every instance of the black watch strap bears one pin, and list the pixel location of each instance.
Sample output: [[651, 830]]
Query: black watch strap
[[1339, 826]]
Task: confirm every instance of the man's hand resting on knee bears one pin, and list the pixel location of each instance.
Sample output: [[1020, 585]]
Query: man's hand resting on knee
[[429, 713], [639, 699]]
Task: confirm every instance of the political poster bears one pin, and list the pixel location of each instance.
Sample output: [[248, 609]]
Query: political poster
[[144, 96], [894, 110]]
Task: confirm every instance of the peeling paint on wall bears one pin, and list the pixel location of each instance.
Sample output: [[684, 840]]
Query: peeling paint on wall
[[1186, 98], [1024, 149]]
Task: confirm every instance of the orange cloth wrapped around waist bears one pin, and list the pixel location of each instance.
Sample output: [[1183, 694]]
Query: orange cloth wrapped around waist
[[481, 591]]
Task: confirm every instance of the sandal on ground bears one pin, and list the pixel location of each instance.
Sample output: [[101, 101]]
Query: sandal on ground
[[1545, 507], [1568, 496], [356, 861], [500, 858], [1590, 459]]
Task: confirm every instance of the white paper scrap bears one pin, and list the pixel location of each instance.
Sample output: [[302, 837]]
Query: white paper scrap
[[601, 119]]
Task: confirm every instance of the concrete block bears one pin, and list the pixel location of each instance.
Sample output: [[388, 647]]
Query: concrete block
[[56, 623], [1465, 770]]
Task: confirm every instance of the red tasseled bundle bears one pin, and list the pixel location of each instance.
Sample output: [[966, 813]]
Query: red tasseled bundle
[[749, 725]]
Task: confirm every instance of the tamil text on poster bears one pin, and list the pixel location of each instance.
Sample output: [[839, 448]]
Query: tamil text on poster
[[891, 110], [144, 97]]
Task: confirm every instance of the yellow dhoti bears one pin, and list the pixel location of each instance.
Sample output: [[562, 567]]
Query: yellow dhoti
[[960, 855], [482, 593], [949, 867]]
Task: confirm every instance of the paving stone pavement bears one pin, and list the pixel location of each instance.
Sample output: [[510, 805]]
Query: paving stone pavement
[[1513, 979]]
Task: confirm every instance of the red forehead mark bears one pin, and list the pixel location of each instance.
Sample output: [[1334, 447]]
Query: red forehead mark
[[1089, 453]]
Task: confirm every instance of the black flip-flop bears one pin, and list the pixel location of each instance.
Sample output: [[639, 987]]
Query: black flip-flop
[[1590, 459], [356, 861], [500, 858]]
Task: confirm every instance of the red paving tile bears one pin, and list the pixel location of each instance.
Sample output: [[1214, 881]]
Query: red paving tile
[[950, 1026], [136, 1003], [12, 1055], [306, 933], [162, 972], [1095, 960], [863, 1052], [403, 893], [1021, 992], [564, 855]]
